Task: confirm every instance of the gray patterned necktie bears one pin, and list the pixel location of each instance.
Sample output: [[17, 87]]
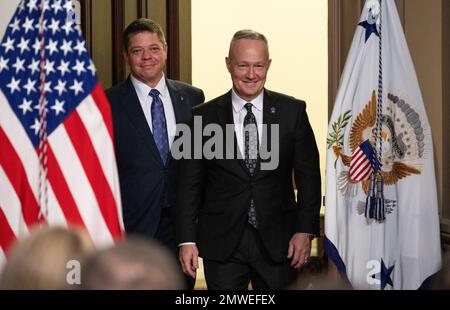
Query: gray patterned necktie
[[251, 144]]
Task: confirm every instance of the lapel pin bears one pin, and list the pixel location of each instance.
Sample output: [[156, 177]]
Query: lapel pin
[[273, 110], [181, 98]]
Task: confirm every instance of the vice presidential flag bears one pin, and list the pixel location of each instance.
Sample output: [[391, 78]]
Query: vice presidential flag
[[396, 246], [57, 162]]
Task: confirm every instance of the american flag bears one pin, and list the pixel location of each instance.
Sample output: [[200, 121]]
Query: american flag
[[56, 167], [363, 162]]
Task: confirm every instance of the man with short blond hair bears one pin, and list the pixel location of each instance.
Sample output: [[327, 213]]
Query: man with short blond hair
[[237, 214]]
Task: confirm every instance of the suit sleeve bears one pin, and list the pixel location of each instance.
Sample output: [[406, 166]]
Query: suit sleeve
[[307, 176], [189, 195]]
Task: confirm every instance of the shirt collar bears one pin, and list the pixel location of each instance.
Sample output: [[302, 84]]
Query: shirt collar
[[144, 90], [239, 103]]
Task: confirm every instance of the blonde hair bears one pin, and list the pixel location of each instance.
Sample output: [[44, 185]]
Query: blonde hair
[[39, 261], [249, 35]]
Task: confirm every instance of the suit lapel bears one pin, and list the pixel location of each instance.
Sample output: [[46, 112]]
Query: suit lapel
[[225, 116], [225, 110], [134, 110], [271, 116], [181, 108]]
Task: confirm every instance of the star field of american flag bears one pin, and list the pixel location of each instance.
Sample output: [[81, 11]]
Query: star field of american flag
[[69, 72]]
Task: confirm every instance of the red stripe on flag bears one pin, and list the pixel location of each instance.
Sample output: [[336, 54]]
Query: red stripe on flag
[[15, 171], [366, 175], [363, 171], [357, 172], [103, 105], [356, 157], [361, 165], [62, 191], [89, 159], [7, 236]]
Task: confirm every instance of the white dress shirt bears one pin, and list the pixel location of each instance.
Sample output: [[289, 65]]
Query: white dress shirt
[[143, 93], [239, 113]]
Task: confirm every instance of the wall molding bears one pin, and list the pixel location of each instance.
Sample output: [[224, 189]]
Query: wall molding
[[173, 39], [118, 18]]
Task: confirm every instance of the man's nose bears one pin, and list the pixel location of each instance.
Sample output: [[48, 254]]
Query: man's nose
[[146, 54], [251, 72]]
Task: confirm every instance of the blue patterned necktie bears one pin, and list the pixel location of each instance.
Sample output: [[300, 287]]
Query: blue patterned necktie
[[251, 154], [159, 125]]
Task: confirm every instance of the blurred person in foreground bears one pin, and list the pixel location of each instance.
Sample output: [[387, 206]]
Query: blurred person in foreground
[[43, 259], [315, 275], [132, 264]]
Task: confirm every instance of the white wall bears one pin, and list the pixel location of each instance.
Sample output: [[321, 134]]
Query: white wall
[[7, 9], [298, 44]]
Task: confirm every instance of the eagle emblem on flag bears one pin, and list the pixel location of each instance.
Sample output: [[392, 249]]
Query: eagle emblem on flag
[[403, 144]]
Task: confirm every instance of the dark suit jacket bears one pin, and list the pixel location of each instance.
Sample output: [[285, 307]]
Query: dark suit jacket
[[145, 183], [214, 195]]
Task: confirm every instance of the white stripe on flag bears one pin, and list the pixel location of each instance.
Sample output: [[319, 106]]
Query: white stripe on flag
[[101, 140], [55, 215], [11, 207], [79, 186]]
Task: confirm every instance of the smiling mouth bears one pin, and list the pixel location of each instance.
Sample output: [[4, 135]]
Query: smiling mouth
[[250, 83]]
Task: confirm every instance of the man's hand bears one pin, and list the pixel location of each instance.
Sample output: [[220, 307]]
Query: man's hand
[[299, 249], [188, 256]]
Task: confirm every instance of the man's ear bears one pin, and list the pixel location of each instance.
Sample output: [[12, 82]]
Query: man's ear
[[125, 54], [227, 63]]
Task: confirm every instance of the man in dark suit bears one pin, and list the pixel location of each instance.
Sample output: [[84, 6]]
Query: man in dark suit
[[241, 215], [146, 109]]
